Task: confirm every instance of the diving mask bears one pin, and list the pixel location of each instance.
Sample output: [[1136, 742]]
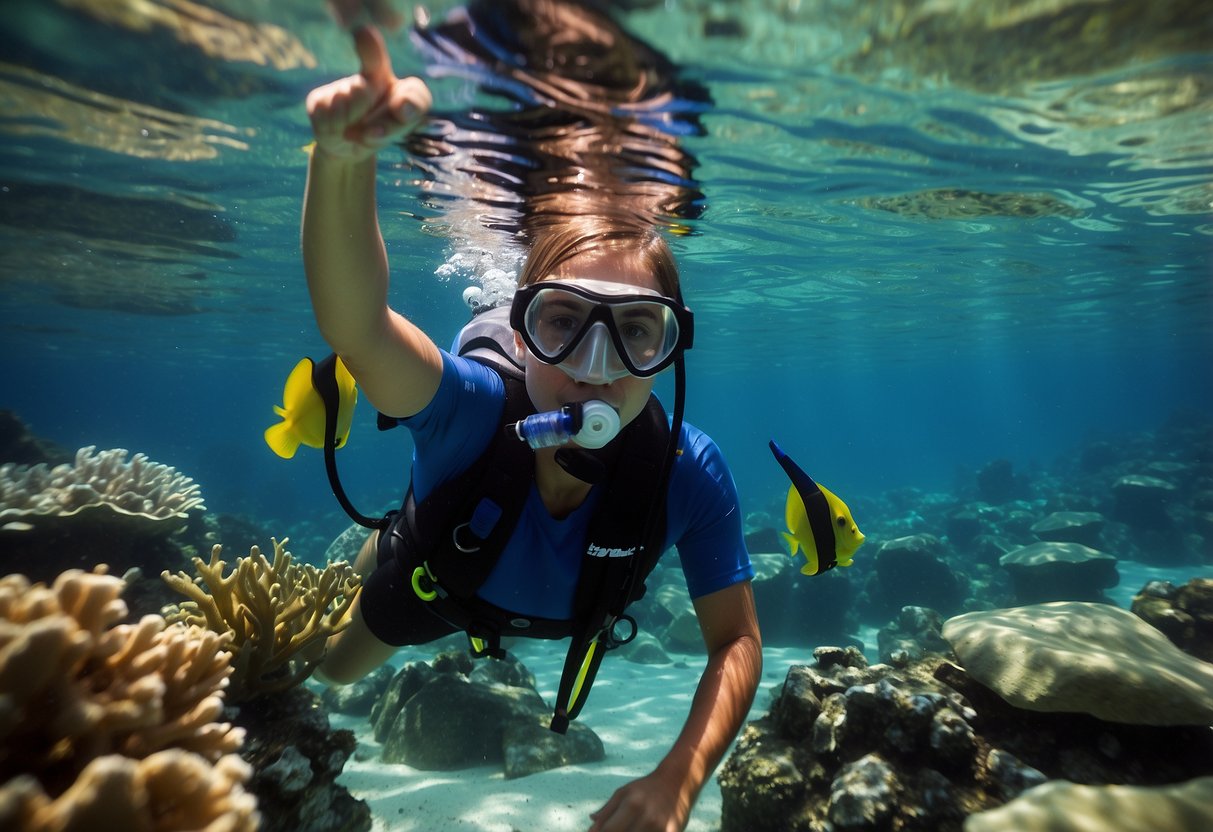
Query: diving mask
[[599, 331]]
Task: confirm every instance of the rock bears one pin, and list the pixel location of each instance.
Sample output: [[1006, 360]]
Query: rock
[[455, 713], [1141, 501], [910, 571], [1071, 527], [1049, 571], [997, 483], [644, 649], [296, 758], [1083, 658], [796, 610], [291, 772], [1183, 614], [1010, 774], [359, 698], [529, 746], [863, 794], [914, 634], [965, 525]]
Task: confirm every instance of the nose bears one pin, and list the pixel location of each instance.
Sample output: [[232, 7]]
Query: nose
[[595, 360]]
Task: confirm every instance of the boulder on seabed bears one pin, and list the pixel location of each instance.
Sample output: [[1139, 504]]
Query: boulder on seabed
[[452, 714]]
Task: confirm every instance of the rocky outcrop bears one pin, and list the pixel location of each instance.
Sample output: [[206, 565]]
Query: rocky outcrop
[[849, 747], [455, 713]]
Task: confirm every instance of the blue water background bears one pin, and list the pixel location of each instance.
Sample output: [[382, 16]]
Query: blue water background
[[882, 349]]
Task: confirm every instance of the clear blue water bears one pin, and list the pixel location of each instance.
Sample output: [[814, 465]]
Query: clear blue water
[[886, 334]]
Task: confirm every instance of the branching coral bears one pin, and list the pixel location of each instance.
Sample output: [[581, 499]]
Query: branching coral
[[168, 791], [278, 614], [104, 480], [98, 714]]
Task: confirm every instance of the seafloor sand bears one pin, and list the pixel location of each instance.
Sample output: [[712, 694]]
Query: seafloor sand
[[636, 709]]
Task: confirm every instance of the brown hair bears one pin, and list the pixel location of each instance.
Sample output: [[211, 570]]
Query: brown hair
[[573, 236]]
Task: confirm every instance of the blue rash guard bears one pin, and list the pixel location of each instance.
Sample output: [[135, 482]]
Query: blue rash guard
[[539, 566]]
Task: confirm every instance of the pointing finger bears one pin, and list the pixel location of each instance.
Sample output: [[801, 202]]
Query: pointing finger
[[373, 57]]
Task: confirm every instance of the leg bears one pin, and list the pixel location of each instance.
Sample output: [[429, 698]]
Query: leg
[[355, 652], [396, 617]]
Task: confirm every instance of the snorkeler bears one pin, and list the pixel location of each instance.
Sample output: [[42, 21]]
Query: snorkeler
[[598, 313]]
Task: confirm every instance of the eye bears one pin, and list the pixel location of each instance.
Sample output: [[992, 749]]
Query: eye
[[842, 522], [635, 331], [563, 323]]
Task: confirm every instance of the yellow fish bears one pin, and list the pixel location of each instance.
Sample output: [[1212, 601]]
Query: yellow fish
[[819, 524], [303, 410]]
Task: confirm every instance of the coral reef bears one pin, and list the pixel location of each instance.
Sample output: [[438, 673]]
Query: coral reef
[[1183, 614], [101, 508], [1080, 657], [847, 746], [1054, 571], [278, 614], [105, 481], [296, 758], [106, 720], [1066, 807]]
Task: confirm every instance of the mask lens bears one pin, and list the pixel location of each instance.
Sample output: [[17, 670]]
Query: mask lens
[[647, 330], [555, 320]]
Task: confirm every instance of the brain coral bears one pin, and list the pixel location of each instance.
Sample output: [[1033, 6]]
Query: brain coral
[[1067, 807], [1083, 657]]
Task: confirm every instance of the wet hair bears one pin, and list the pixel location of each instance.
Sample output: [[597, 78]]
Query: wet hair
[[644, 247]]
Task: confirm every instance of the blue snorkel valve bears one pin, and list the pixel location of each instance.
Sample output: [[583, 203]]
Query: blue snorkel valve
[[589, 424]]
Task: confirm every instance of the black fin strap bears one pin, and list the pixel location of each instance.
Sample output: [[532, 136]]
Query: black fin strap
[[324, 380]]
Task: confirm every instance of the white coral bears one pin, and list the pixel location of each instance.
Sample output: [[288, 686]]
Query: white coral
[[139, 487]]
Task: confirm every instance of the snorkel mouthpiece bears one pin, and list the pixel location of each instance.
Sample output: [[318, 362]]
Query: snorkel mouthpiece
[[589, 424]]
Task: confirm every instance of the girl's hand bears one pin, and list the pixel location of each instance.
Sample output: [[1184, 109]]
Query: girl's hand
[[354, 117]]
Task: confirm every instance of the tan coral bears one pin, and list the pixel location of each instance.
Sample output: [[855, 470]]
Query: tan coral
[[167, 791], [1081, 657], [75, 685], [103, 481], [278, 613], [1060, 806]]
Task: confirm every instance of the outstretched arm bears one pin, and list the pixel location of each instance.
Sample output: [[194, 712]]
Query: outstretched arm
[[662, 800], [396, 364]]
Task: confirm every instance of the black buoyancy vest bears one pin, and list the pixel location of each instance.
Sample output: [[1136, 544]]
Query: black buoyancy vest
[[450, 541]]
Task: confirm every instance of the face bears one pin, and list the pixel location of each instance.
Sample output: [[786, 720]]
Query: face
[[550, 387]]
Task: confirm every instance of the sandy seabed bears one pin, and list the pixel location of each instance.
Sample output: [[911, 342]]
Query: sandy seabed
[[636, 709]]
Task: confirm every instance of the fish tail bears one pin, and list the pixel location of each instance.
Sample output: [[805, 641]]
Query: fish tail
[[793, 545], [282, 440]]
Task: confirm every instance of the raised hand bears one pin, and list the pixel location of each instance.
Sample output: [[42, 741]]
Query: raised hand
[[354, 117]]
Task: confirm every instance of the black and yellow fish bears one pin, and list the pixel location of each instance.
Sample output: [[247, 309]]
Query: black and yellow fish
[[819, 523], [303, 410]]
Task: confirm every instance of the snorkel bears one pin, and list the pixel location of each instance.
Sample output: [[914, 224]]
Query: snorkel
[[589, 424]]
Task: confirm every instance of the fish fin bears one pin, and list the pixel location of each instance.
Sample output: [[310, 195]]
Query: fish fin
[[298, 385], [282, 440], [810, 567], [280, 411], [793, 543]]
